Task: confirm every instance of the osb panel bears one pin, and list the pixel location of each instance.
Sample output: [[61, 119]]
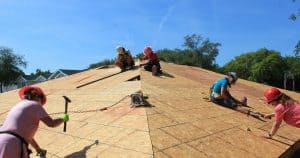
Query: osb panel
[[162, 140], [159, 121], [180, 111], [217, 148], [115, 152], [212, 125], [184, 151], [138, 141], [160, 155], [185, 132], [251, 143], [180, 123]]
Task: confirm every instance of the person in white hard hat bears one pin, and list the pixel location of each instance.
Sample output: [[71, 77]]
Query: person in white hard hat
[[124, 59], [219, 94]]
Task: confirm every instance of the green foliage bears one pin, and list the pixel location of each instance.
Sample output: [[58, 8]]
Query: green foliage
[[39, 72], [264, 66], [293, 65], [9, 66], [199, 52], [297, 50], [102, 63]]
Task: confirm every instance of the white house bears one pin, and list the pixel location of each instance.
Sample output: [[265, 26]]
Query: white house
[[62, 72]]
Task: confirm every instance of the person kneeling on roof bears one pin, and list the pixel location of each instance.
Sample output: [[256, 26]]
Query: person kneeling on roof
[[124, 59], [219, 94], [286, 109], [150, 61], [22, 123]]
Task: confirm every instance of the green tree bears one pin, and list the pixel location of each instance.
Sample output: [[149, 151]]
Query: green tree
[[293, 70], [263, 65], [206, 51], [102, 63], [39, 72], [297, 50], [10, 66]]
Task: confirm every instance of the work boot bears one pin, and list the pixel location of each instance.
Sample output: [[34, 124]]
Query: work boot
[[154, 70]]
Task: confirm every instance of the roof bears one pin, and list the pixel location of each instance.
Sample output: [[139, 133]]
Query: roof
[[29, 77], [70, 72], [63, 72], [179, 122]]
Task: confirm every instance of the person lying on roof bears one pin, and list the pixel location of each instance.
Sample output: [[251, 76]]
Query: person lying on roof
[[22, 122], [219, 94], [150, 61], [286, 109], [124, 59]]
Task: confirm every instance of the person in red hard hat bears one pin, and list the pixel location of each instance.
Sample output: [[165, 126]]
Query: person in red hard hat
[[22, 122], [286, 109], [150, 61]]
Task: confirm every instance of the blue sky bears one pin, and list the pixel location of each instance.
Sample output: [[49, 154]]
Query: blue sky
[[71, 34]]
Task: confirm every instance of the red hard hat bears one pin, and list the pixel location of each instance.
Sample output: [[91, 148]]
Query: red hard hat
[[272, 94], [33, 89], [147, 49]]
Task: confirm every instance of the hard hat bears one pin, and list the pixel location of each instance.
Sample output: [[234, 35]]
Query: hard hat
[[233, 75], [34, 90], [147, 50], [120, 49], [272, 94]]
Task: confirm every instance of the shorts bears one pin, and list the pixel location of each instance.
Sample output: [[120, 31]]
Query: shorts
[[226, 103]]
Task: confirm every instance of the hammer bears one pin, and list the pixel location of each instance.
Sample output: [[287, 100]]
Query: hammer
[[67, 100]]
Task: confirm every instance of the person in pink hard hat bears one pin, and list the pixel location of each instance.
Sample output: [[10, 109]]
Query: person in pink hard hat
[[285, 109], [150, 61], [22, 122]]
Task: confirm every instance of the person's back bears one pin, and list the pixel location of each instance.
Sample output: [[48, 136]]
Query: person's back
[[289, 113], [216, 88], [24, 118]]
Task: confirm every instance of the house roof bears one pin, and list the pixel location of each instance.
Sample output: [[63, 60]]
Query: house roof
[[69, 72], [179, 122], [29, 77]]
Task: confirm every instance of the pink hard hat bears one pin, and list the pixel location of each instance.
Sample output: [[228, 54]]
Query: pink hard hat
[[147, 50]]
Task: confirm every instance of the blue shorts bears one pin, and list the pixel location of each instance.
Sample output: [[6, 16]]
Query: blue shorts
[[226, 103]]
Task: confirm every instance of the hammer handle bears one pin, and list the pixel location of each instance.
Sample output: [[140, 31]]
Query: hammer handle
[[66, 111]]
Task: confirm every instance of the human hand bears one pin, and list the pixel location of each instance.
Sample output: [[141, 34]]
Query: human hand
[[65, 117], [268, 116], [268, 136], [41, 152]]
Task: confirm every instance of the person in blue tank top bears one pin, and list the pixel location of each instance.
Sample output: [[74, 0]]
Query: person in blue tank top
[[220, 95]]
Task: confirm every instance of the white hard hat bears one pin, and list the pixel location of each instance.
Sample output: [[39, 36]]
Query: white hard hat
[[233, 75]]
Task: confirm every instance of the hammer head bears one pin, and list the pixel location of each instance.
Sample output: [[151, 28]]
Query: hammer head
[[67, 99]]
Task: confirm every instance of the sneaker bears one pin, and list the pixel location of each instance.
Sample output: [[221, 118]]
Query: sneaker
[[154, 70]]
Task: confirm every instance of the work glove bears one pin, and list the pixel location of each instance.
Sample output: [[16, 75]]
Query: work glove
[[65, 117], [41, 152]]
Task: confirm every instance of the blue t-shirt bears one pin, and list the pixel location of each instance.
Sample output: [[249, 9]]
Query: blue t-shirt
[[219, 84]]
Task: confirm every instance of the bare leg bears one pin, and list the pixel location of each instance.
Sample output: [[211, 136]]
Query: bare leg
[[249, 112]]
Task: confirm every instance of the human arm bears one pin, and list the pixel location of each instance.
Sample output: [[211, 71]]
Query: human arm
[[55, 122], [273, 130], [225, 93], [37, 148], [269, 116]]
